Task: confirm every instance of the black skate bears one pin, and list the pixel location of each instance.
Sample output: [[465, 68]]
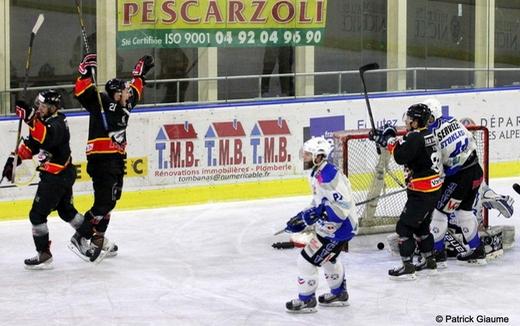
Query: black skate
[[301, 307], [100, 247], [111, 248], [441, 258], [332, 300], [404, 272], [80, 246], [43, 260], [475, 257], [426, 265]]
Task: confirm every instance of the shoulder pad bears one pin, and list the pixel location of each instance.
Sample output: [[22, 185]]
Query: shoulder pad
[[326, 174]]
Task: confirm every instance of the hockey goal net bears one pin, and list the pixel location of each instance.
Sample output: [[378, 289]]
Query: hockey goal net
[[378, 182]]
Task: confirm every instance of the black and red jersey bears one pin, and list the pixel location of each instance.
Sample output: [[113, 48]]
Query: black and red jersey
[[49, 139], [100, 144], [418, 153]]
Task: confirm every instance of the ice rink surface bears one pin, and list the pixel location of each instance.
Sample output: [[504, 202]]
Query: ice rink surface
[[213, 265]]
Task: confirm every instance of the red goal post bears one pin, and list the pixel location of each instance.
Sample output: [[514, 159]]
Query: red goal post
[[379, 181]]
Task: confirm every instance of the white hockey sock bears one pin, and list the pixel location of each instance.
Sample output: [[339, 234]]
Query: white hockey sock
[[334, 274], [469, 225], [438, 228], [307, 277]]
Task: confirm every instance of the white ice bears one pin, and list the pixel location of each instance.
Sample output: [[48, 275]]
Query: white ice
[[213, 265]]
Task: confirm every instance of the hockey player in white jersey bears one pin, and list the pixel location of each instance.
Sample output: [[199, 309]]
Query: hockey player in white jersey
[[463, 178], [333, 216]]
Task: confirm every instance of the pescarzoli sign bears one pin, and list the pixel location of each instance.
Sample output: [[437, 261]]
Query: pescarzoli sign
[[220, 23]]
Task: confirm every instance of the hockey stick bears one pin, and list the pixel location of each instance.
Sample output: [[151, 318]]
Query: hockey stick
[[364, 202], [362, 70], [93, 70], [37, 25], [516, 187]]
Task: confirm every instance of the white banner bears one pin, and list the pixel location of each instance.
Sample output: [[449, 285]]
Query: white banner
[[234, 144]]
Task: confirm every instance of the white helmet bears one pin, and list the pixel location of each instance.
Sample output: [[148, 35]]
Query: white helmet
[[318, 146], [435, 107]]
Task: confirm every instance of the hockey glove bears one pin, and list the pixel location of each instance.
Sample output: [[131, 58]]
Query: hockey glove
[[143, 66], [381, 136], [389, 130], [295, 224], [119, 138], [25, 112], [88, 64], [8, 167], [303, 219], [504, 204]]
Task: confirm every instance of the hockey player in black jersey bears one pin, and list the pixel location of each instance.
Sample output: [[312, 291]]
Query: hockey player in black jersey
[[48, 139], [106, 149], [417, 151]]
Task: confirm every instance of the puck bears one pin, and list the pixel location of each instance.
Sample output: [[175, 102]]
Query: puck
[[380, 246], [516, 188]]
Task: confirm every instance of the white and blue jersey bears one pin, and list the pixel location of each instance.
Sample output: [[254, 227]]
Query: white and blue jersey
[[333, 191], [456, 143]]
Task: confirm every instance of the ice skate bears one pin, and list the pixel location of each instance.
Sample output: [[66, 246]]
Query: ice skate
[[441, 258], [301, 307], [426, 265], [43, 260], [332, 300], [80, 246], [475, 257], [110, 247], [404, 272], [98, 244]]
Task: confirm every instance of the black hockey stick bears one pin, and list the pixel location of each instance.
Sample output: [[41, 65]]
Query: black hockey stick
[[362, 70], [363, 202], [37, 25], [93, 70], [516, 187]]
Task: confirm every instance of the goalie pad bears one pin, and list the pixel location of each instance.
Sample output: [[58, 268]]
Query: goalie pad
[[495, 238]]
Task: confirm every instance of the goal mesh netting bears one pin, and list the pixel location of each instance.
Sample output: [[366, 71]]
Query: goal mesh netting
[[378, 182]]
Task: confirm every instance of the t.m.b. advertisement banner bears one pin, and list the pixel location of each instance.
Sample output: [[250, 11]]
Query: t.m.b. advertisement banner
[[220, 23], [194, 152]]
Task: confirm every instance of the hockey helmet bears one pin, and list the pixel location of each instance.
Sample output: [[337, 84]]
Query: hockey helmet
[[50, 97], [419, 112], [114, 85], [435, 107], [317, 146]]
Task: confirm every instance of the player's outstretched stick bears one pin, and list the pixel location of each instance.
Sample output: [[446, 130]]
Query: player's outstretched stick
[[35, 29], [87, 48], [362, 70], [516, 187], [364, 202]]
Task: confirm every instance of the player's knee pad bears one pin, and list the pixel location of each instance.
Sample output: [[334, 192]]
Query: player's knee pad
[[307, 276], [467, 221], [439, 225], [334, 274], [403, 230], [37, 218], [117, 191]]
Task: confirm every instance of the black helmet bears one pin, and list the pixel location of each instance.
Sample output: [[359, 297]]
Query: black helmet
[[114, 85], [50, 97], [419, 112]]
